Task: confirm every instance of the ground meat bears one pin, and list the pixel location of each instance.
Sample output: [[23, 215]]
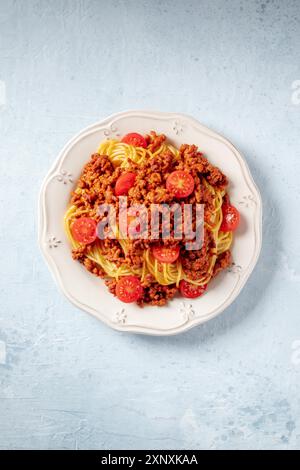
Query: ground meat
[[156, 294], [193, 160], [135, 252], [112, 250], [155, 141], [79, 254], [224, 260], [111, 284], [196, 263], [97, 186], [93, 267], [149, 185]]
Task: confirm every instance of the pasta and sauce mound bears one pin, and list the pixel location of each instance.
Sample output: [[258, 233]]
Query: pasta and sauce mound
[[148, 171]]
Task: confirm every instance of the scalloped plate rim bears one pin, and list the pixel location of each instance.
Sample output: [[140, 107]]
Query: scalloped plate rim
[[138, 328]]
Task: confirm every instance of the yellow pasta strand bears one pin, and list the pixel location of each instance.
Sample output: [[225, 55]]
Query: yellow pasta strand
[[120, 154]]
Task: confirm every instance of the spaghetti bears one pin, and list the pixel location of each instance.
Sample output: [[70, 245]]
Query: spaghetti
[[126, 258]]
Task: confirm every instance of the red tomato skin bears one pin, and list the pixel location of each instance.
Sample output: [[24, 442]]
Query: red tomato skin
[[84, 230], [136, 229], [191, 291], [135, 139], [231, 218], [180, 183], [124, 183], [129, 289], [165, 254]]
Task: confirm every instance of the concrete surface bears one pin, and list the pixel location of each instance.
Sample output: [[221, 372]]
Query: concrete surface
[[66, 380]]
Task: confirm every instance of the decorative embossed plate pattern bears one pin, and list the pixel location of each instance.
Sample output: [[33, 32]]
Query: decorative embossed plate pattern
[[88, 292]]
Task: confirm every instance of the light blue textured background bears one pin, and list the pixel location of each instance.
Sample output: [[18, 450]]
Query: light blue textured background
[[66, 380]]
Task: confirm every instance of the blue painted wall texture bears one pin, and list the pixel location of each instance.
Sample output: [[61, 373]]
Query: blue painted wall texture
[[66, 380]]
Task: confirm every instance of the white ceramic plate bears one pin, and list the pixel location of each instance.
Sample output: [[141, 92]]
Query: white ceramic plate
[[89, 292]]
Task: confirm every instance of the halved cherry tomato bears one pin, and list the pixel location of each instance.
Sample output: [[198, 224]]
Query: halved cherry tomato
[[166, 254], [84, 230], [129, 289], [137, 140], [191, 291], [231, 218], [180, 183], [124, 183]]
